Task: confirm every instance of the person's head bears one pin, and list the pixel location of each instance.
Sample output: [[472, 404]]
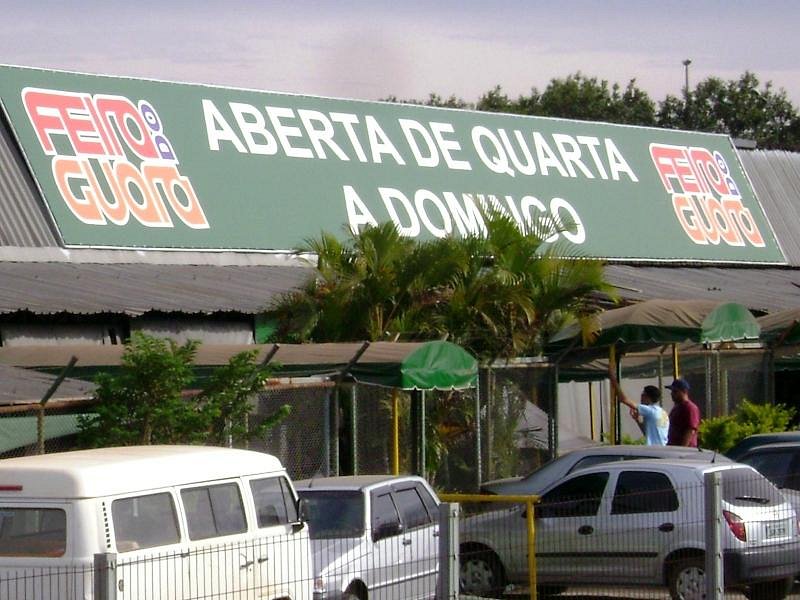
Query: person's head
[[679, 389], [651, 395]]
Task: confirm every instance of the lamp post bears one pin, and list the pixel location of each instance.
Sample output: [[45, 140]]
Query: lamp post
[[686, 64]]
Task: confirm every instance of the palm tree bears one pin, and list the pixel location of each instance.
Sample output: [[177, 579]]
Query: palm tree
[[498, 295]]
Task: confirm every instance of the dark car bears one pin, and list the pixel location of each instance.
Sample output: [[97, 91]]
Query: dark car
[[780, 463], [761, 439]]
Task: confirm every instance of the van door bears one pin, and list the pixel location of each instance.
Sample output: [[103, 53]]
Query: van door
[[147, 536], [36, 553], [220, 555], [282, 552]]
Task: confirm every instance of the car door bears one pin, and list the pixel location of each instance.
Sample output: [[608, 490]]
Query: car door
[[566, 522], [387, 571], [419, 540], [639, 526]]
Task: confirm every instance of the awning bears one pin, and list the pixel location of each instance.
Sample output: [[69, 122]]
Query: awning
[[406, 365], [655, 322], [26, 387]]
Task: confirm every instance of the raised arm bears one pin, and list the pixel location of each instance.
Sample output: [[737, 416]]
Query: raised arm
[[617, 388]]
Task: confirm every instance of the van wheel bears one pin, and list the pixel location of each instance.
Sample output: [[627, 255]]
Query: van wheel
[[687, 579], [769, 590], [481, 574]]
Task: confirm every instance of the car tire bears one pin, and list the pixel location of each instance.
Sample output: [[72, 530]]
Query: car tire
[[545, 591], [687, 579], [481, 574], [769, 590]]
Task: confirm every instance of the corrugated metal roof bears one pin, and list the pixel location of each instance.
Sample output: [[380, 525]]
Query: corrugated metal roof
[[776, 179], [759, 289], [22, 386], [23, 220], [47, 288]]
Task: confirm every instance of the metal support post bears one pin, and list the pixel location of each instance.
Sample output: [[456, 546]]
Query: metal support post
[[354, 427], [478, 445], [105, 576], [448, 551], [715, 583]]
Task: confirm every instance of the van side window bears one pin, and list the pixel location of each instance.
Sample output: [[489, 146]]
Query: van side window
[[32, 531], [274, 501], [213, 511], [144, 522]]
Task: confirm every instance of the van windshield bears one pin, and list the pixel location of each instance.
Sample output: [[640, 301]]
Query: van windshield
[[32, 531], [334, 514]]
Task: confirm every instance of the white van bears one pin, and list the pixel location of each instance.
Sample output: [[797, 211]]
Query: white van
[[183, 521]]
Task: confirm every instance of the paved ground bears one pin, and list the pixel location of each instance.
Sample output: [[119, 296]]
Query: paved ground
[[619, 593]]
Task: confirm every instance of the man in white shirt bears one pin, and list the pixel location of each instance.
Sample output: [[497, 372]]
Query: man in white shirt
[[654, 419]]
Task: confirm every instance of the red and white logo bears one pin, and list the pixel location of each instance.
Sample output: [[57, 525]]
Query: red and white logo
[[112, 161], [706, 199]]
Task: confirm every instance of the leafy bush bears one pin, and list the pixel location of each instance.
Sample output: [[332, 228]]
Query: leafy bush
[[146, 400], [721, 433]]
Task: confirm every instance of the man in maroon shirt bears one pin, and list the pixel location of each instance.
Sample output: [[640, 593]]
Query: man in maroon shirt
[[684, 418]]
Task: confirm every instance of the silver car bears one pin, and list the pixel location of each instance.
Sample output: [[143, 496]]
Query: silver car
[[638, 523], [557, 469], [372, 536]]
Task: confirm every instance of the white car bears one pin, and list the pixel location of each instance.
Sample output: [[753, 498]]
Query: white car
[[638, 522], [372, 536], [560, 467]]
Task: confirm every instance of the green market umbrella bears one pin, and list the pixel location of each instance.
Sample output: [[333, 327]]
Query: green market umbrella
[[659, 322]]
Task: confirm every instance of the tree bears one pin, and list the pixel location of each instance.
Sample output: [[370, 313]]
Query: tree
[[146, 402], [496, 294], [587, 98], [739, 108]]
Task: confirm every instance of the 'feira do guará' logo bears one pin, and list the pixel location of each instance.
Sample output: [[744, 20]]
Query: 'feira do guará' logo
[[112, 162], [705, 197]]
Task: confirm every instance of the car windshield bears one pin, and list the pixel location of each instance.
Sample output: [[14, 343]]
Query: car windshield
[[334, 513]]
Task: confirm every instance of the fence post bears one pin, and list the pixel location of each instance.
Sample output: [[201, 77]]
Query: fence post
[[105, 576], [448, 551], [715, 583]]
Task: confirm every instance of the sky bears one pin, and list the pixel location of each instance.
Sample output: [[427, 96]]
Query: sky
[[409, 48]]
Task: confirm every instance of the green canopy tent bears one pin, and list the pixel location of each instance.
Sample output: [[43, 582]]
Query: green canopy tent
[[651, 324]]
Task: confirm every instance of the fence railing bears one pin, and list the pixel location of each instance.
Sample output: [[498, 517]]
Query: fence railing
[[689, 540]]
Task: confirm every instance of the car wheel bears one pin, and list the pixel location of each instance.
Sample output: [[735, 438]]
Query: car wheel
[[481, 574], [550, 590], [687, 579], [769, 590]]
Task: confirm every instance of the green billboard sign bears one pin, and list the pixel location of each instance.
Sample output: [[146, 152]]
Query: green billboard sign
[[131, 163]]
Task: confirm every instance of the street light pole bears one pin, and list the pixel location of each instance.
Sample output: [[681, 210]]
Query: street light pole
[[686, 64]]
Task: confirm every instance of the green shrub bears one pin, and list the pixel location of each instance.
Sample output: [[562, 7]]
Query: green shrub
[[721, 433]]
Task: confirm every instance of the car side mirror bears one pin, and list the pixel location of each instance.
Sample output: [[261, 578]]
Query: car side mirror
[[303, 509], [386, 530]]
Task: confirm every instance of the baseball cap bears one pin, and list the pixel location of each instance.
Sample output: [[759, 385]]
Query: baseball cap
[[679, 384]]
